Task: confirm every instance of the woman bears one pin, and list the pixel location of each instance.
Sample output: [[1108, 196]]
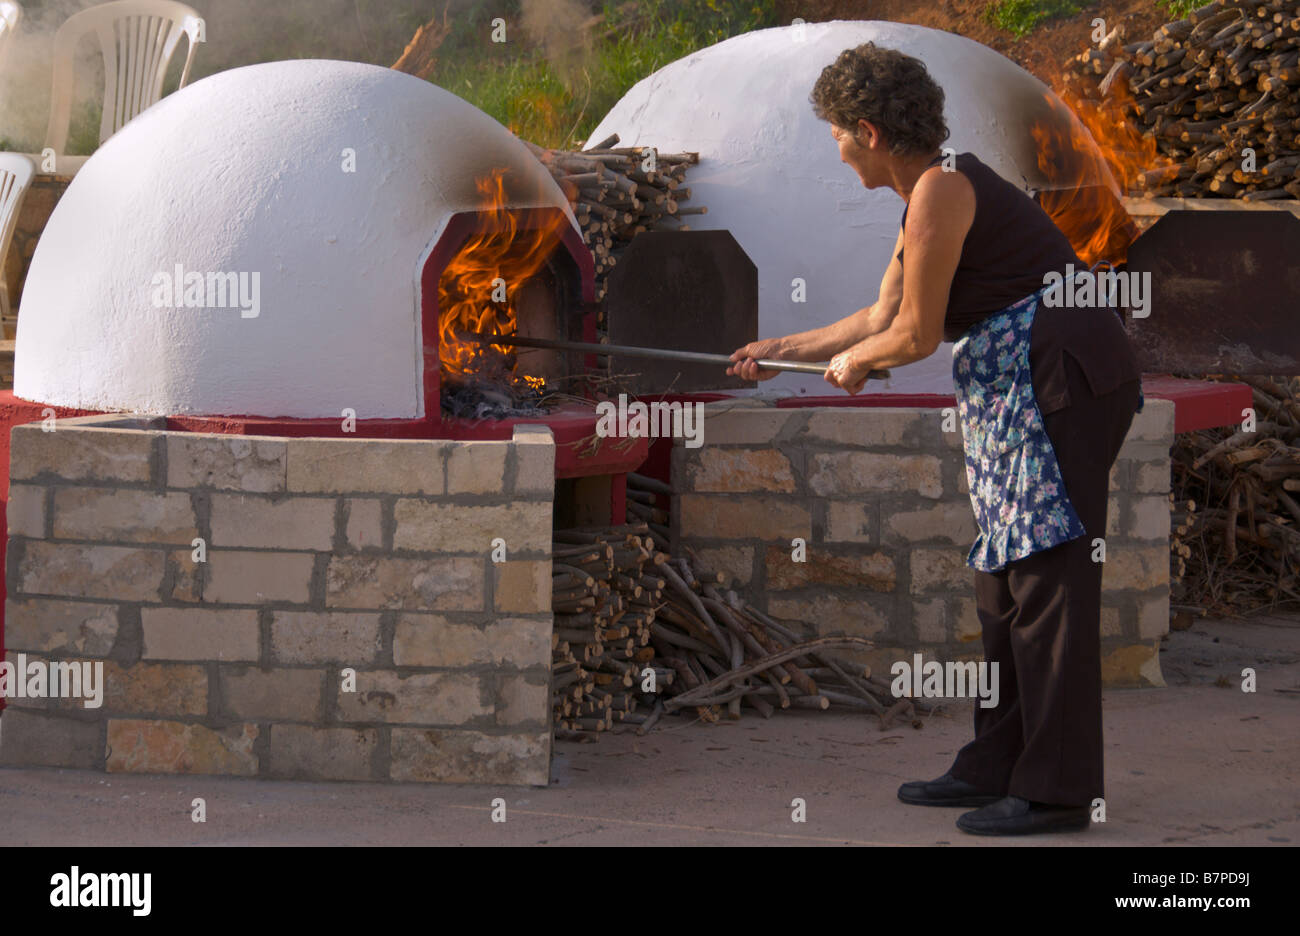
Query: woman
[[1046, 396]]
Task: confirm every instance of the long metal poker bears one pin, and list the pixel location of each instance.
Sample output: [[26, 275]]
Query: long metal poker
[[698, 357]]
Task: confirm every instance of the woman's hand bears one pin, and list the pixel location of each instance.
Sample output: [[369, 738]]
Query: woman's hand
[[848, 371], [746, 358]]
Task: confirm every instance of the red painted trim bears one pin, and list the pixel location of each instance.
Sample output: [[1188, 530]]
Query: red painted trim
[[1199, 404]]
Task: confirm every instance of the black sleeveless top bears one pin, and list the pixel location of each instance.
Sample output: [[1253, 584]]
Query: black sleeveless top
[[1010, 246]]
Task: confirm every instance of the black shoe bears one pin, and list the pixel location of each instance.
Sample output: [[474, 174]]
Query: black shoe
[[1015, 816], [946, 791]]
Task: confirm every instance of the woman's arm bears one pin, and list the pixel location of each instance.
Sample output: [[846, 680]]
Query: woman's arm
[[818, 344], [939, 215]]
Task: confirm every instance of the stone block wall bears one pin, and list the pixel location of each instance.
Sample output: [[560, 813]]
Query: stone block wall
[[879, 495], [346, 622]]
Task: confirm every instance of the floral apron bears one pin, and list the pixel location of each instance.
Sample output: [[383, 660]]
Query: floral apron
[[1016, 489]]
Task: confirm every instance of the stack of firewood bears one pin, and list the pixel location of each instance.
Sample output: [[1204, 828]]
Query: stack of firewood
[[639, 633], [604, 594], [617, 193], [1219, 92], [1236, 537]]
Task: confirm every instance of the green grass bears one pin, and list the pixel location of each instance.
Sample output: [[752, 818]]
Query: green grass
[[526, 92], [1020, 17], [1179, 9]]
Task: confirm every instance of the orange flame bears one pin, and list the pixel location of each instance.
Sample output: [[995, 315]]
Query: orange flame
[[1082, 205], [471, 287]]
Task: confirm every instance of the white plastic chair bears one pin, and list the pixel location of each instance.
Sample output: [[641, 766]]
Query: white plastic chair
[[16, 172], [10, 14], [137, 39]]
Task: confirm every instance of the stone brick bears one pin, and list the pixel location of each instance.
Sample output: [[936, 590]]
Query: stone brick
[[186, 585], [831, 473], [477, 468], [734, 470], [523, 700], [73, 570], [941, 568], [447, 583], [265, 523], [81, 454], [534, 460], [931, 621], [342, 466], [752, 517], [441, 756], [736, 561], [33, 739], [263, 694], [301, 752], [863, 426], [1114, 516], [421, 699], [1149, 518], [824, 567], [145, 746], [1130, 667], [227, 462], [25, 511], [199, 634], [851, 521], [1129, 566], [726, 423], [435, 527], [365, 524], [1154, 424], [433, 640], [952, 521], [1153, 618], [156, 689], [123, 515], [523, 586], [1153, 477], [967, 626], [1111, 626], [257, 577], [830, 613], [49, 625], [343, 637]]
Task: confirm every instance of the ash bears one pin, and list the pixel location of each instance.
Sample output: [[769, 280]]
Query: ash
[[475, 397]]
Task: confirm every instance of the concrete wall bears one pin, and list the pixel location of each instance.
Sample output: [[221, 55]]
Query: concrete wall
[[322, 555], [880, 497]]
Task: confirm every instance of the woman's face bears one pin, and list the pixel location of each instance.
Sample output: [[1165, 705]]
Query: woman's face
[[864, 160]]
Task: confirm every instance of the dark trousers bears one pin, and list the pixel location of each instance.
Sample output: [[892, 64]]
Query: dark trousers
[[1041, 619]]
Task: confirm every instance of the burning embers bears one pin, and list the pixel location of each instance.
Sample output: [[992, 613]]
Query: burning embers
[[484, 289]]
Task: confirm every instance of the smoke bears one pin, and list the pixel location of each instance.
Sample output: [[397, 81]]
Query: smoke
[[562, 29]]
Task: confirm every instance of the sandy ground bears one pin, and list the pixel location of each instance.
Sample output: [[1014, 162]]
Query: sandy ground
[[1194, 764]]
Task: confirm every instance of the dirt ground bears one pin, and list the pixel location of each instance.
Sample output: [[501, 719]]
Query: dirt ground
[[1196, 763], [1041, 52]]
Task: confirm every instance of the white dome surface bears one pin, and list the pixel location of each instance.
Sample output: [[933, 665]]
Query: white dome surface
[[245, 172], [771, 173]]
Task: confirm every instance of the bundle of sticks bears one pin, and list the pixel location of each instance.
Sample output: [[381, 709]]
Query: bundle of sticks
[[640, 633], [1219, 92], [617, 193], [1236, 538]]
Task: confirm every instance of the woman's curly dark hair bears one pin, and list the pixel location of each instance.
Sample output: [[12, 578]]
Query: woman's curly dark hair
[[886, 88]]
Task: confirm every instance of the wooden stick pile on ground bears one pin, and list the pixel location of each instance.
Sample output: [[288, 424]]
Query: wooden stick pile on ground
[[1236, 538], [1208, 88], [617, 193], [626, 609]]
